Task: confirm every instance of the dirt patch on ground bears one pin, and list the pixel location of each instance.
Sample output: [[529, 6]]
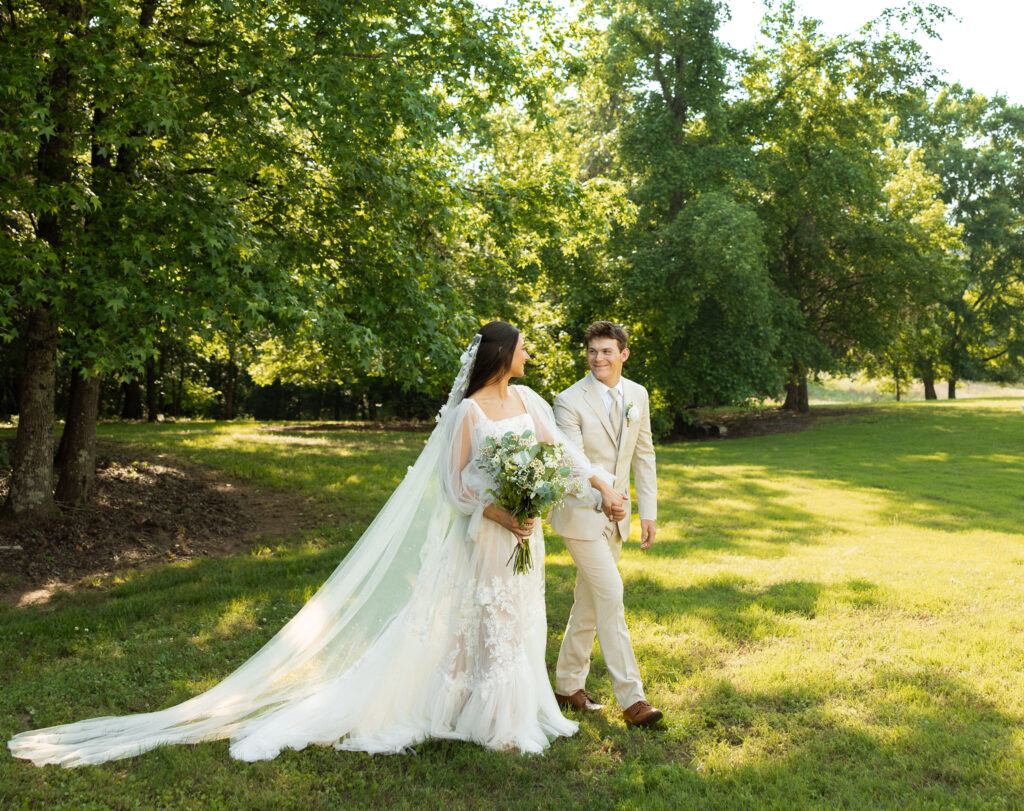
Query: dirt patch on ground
[[148, 508], [746, 424]]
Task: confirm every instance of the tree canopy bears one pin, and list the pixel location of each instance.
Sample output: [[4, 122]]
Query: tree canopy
[[215, 207]]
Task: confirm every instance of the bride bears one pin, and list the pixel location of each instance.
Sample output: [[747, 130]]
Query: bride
[[422, 631]]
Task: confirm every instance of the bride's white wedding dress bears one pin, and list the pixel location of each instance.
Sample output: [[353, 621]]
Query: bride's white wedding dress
[[422, 631]]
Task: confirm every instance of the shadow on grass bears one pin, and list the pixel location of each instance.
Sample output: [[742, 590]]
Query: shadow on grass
[[908, 737], [148, 641], [740, 611], [784, 748]]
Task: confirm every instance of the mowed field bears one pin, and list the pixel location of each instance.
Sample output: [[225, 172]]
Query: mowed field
[[831, 618]]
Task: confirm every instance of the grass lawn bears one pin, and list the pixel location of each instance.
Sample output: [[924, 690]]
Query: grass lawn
[[833, 618]]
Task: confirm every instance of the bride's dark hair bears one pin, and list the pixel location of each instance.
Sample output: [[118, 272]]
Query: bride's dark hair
[[498, 342]]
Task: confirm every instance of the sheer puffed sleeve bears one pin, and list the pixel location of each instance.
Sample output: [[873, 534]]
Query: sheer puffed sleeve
[[464, 482], [548, 431]]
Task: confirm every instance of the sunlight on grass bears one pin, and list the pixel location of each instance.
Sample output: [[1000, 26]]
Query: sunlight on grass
[[238, 618]]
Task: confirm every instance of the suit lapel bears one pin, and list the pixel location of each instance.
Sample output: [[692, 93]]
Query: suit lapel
[[626, 400], [596, 402]]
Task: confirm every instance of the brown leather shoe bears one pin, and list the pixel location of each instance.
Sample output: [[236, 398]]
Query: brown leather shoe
[[641, 714], [577, 701]]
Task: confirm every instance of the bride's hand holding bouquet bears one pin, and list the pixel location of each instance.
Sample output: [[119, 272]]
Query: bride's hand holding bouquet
[[531, 478]]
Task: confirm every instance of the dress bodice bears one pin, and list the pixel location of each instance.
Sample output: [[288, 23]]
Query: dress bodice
[[498, 428], [486, 427]]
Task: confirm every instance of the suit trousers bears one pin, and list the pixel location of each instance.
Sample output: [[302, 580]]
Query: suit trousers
[[598, 609]]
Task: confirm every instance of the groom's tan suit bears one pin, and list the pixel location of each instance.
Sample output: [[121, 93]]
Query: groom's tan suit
[[594, 541]]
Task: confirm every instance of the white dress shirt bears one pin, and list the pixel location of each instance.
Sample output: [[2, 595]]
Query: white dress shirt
[[606, 395]]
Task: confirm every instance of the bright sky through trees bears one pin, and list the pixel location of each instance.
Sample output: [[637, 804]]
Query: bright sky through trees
[[980, 50]]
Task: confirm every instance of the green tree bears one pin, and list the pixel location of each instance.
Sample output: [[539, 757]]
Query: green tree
[[817, 113], [976, 147], [930, 242], [220, 169], [690, 273]]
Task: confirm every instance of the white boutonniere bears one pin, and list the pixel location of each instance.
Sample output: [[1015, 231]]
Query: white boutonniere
[[632, 412]]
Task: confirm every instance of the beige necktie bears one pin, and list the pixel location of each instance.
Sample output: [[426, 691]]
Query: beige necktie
[[616, 414]]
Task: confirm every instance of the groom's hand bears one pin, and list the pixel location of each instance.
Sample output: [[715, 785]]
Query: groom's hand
[[647, 533], [613, 505]]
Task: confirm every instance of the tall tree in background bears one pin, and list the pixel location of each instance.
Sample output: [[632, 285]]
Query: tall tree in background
[[929, 245], [817, 113], [691, 275], [976, 147]]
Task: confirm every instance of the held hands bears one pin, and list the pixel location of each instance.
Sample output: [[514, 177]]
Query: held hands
[[614, 504]]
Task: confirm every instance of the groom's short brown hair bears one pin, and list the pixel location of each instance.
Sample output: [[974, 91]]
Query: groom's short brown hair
[[606, 329]]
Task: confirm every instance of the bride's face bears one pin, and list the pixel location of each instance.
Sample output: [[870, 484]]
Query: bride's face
[[519, 359]]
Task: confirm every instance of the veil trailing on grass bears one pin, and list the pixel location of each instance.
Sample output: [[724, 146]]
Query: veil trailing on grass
[[363, 665], [330, 636]]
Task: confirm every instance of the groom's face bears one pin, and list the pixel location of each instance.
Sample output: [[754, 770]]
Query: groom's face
[[605, 359]]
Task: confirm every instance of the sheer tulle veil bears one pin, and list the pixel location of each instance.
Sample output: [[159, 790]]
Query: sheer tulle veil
[[346, 618]]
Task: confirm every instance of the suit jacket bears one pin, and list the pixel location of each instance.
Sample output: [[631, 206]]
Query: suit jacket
[[581, 414]]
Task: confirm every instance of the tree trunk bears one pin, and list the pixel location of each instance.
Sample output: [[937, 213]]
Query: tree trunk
[[179, 388], [78, 442], [929, 388], [31, 493], [951, 390], [31, 488], [65, 435], [796, 390], [132, 409], [792, 401], [229, 391], [152, 391]]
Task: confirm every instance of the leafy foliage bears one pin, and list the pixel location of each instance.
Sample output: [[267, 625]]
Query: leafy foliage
[[975, 146]]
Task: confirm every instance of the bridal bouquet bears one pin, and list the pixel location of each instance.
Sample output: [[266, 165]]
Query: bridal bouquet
[[530, 478]]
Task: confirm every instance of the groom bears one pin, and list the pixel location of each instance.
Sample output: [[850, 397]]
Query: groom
[[609, 419]]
